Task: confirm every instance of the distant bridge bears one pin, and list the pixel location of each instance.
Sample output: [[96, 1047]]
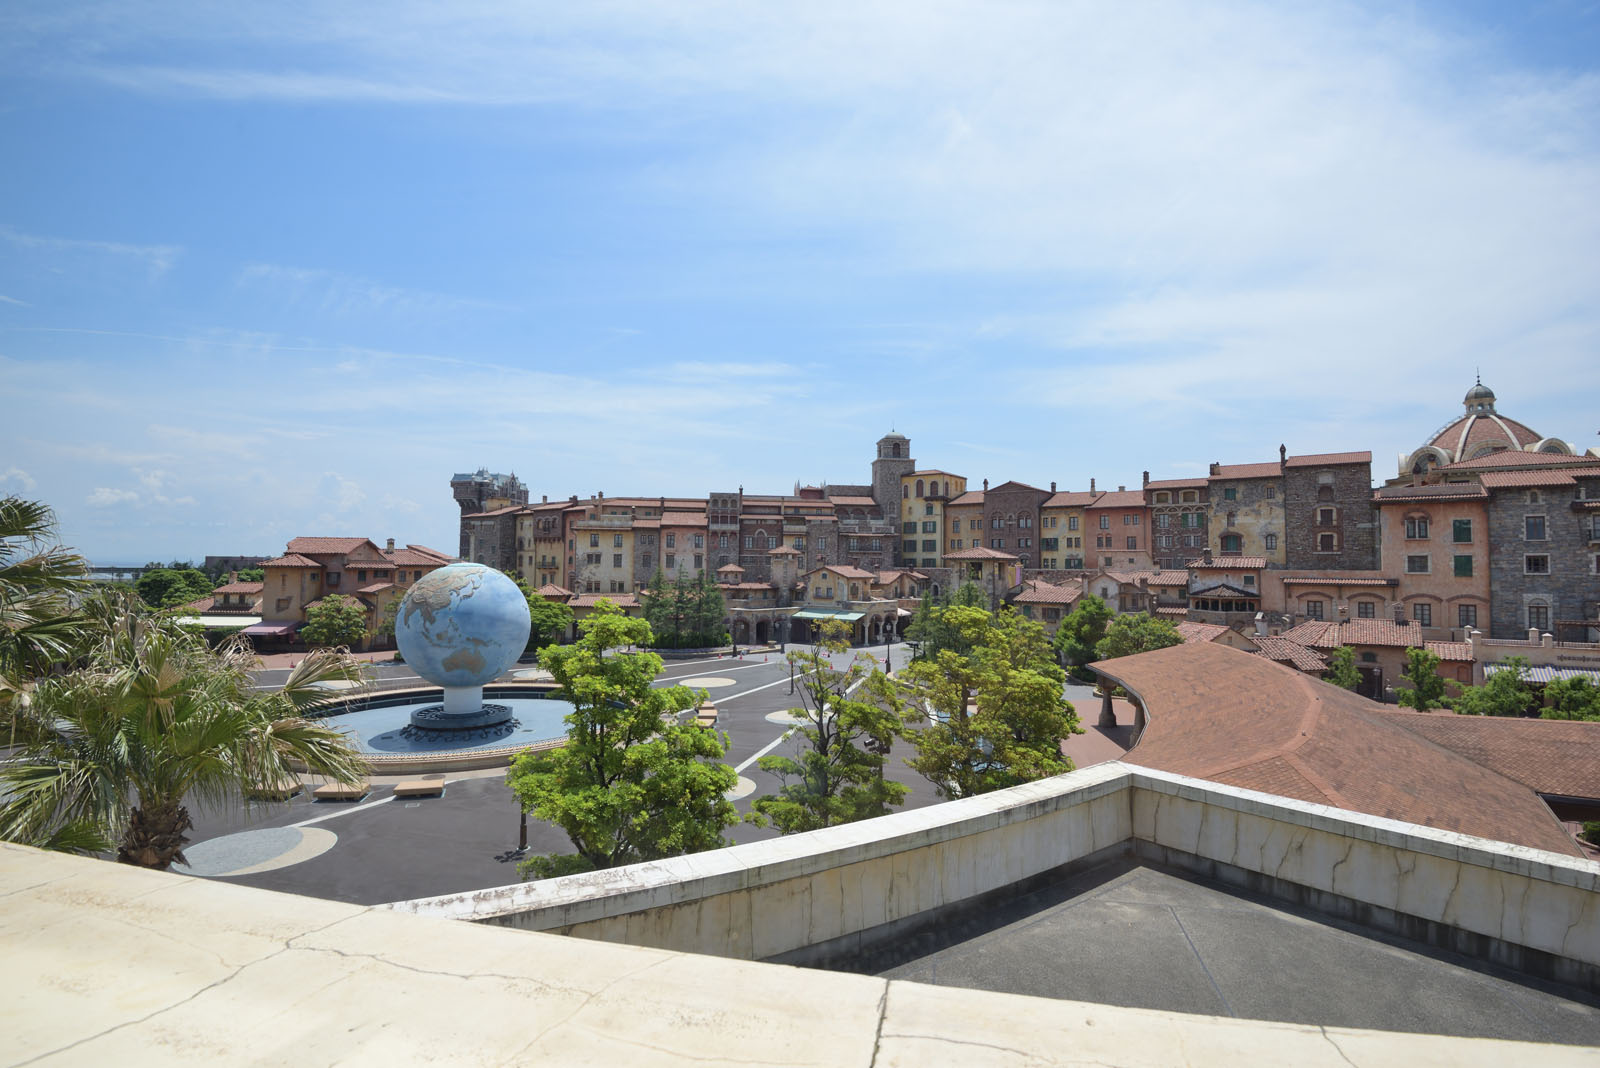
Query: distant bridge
[[100, 573]]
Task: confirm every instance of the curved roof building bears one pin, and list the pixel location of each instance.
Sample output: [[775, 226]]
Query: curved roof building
[[1478, 432]]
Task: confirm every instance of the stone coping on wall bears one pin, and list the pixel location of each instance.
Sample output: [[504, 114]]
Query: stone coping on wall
[[111, 964], [773, 898]]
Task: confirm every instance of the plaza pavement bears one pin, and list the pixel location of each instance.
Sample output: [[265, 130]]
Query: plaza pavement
[[386, 849]]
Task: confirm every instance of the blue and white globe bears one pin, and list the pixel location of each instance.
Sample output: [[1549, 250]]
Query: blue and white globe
[[462, 625]]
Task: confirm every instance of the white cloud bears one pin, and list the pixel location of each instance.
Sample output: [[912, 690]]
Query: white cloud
[[332, 291], [104, 497], [13, 300], [16, 476], [157, 258]]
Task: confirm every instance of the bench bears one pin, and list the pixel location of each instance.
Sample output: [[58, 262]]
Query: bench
[[280, 791], [338, 791], [706, 715], [429, 786]]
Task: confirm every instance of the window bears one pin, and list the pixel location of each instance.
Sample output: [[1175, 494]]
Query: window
[[798, 542], [1072, 522], [1327, 517], [1422, 613], [749, 541], [927, 509], [1025, 521], [672, 541], [1231, 543], [722, 541], [1327, 543], [333, 580], [955, 544], [1532, 564], [1418, 565], [1366, 610], [699, 561], [1105, 522], [361, 576], [1230, 494], [1417, 527], [1533, 528], [1466, 615], [909, 545], [1050, 545], [905, 492], [1314, 609], [1133, 542], [1539, 616], [646, 559], [930, 526], [1272, 492], [672, 561], [930, 546], [822, 545], [1461, 531], [1163, 497], [1024, 543], [699, 541], [616, 541], [919, 487], [594, 541], [955, 526], [772, 541], [283, 603], [1463, 566], [616, 559], [1270, 541], [997, 543], [1249, 580]]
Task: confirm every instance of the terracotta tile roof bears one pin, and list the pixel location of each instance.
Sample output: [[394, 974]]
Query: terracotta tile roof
[[969, 497], [1518, 458], [240, 587], [845, 570], [1344, 578], [550, 591], [1230, 563], [747, 586], [201, 605], [1070, 499], [1223, 589], [1450, 651], [730, 568], [1268, 470], [507, 510], [291, 560], [1173, 613], [1013, 484], [1197, 482], [1551, 756], [981, 553], [1286, 651], [1328, 459], [327, 545], [1037, 591], [1330, 634], [854, 501], [1442, 491], [410, 557], [1119, 499], [1514, 479], [784, 550], [1238, 718], [1169, 577], [621, 600], [1201, 632], [376, 587], [935, 471], [443, 558]]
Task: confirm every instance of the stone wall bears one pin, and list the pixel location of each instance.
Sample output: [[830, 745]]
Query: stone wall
[[1257, 511], [1355, 529], [1570, 590]]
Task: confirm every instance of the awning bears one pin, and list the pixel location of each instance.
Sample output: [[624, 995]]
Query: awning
[[848, 617], [271, 630], [1546, 673], [905, 611], [218, 622]]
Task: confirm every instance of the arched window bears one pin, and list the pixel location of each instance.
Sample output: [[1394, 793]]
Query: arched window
[[894, 450], [855, 592], [919, 487], [905, 493]]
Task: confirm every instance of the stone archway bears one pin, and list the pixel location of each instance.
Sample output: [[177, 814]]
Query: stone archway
[[763, 632], [741, 631]]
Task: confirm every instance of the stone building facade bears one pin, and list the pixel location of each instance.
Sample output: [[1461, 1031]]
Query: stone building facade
[[1327, 512], [1544, 566], [889, 468], [1179, 508], [1010, 520], [1246, 511]]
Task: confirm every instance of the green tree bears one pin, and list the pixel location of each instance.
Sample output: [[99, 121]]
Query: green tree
[[1427, 688], [169, 587], [1504, 693], [631, 783], [1572, 698], [39, 584], [1136, 632], [930, 628], [710, 609], [1080, 633], [996, 715], [1342, 668], [107, 755], [845, 737], [252, 574], [335, 621], [547, 620]]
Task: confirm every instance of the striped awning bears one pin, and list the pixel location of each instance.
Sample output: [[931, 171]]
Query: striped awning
[[810, 613], [1546, 673]]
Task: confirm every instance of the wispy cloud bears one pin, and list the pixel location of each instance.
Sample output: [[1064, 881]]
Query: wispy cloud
[[17, 478], [332, 291], [13, 300], [157, 258]]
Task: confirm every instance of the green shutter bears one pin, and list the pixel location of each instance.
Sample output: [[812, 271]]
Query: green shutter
[[1463, 566]]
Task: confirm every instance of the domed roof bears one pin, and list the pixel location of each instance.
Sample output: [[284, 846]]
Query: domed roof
[[1479, 394], [1481, 430]]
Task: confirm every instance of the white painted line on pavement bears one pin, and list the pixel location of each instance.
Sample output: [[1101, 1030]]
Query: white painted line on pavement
[[345, 812], [763, 751], [706, 674], [741, 693]]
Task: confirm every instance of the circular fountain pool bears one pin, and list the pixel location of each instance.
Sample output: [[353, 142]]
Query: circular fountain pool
[[381, 726]]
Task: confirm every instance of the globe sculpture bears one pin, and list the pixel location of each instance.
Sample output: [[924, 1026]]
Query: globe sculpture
[[461, 626]]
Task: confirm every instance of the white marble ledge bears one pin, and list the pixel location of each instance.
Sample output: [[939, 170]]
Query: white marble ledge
[[106, 964]]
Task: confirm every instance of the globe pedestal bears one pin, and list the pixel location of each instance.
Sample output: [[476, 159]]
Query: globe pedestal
[[469, 712], [462, 700]]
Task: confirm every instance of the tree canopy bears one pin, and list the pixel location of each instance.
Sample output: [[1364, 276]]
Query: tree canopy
[[930, 629], [1572, 698], [335, 621], [632, 783], [169, 588], [1504, 693], [1080, 633], [685, 612], [995, 715], [1342, 669], [848, 719], [1136, 632], [547, 620], [1427, 688], [39, 584]]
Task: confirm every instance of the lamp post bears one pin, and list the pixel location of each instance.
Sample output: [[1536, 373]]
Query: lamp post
[[888, 642]]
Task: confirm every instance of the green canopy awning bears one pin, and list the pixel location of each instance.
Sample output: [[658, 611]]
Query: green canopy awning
[[810, 613]]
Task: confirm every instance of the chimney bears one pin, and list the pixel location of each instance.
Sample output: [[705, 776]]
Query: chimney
[[544, 498], [1261, 624], [1344, 611], [600, 495], [1283, 455], [1052, 487], [1147, 478], [1122, 489], [390, 546], [1216, 467], [1399, 614], [986, 484], [1091, 485], [233, 576]]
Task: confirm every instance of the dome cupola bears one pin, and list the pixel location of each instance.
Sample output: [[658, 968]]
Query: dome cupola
[[1480, 398]]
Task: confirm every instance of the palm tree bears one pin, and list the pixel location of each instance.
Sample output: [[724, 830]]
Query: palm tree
[[109, 755], [39, 584]]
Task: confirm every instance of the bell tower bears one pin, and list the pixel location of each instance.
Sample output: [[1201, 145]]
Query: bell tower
[[893, 461]]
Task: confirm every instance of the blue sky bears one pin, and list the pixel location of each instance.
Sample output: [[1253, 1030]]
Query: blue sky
[[281, 270]]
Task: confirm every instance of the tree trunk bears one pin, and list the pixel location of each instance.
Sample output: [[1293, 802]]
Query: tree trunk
[[154, 838]]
